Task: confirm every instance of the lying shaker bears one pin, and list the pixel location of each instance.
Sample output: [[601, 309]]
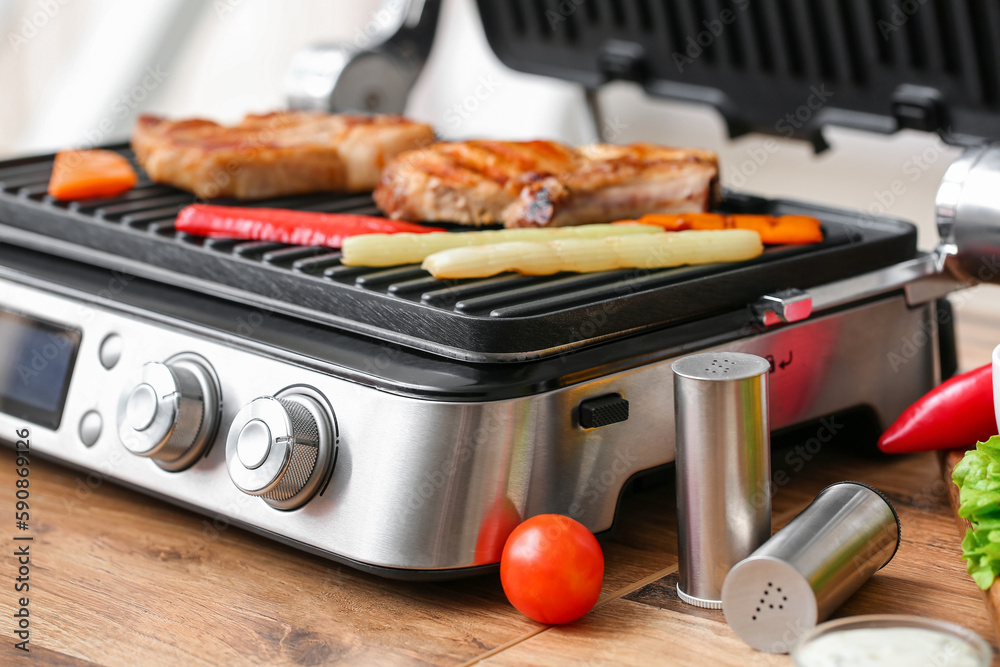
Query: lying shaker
[[723, 468], [811, 566]]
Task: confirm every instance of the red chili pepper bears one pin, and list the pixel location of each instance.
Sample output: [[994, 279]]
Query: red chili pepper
[[957, 413], [286, 226]]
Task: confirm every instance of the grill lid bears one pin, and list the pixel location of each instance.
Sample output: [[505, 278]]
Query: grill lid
[[780, 67], [504, 318]]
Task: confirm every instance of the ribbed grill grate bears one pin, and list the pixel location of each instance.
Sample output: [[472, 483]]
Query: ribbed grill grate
[[505, 314]]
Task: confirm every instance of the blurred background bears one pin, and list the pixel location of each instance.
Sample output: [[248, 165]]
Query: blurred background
[[77, 72]]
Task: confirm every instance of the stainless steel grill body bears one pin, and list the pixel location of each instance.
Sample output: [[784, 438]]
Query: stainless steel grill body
[[415, 479]]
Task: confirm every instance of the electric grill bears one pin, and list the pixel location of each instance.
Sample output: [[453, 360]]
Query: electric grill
[[401, 424]]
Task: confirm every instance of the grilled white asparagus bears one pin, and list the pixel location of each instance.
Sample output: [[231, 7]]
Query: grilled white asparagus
[[584, 255], [405, 248]]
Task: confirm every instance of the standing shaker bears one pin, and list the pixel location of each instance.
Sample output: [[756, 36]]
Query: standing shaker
[[723, 468]]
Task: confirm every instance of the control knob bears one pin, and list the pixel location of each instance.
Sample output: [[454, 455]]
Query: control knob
[[170, 412], [279, 447]]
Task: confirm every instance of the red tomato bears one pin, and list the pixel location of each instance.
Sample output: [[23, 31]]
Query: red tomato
[[552, 568]]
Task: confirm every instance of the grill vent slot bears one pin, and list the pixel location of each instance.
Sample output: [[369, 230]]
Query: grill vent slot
[[517, 17], [762, 38], [848, 26], [791, 36], [983, 15], [645, 15], [945, 22], [700, 28], [541, 21], [673, 18], [617, 13]]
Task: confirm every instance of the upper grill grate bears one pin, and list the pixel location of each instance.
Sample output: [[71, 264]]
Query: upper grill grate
[[932, 65]]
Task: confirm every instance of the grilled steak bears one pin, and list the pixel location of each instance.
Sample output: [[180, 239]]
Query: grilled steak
[[544, 183], [274, 154]]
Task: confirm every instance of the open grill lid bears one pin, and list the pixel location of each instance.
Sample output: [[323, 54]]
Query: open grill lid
[[782, 67], [504, 318]]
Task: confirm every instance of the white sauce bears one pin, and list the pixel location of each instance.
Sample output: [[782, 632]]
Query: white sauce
[[887, 647]]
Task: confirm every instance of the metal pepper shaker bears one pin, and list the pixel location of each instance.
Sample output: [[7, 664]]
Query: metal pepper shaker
[[723, 468]]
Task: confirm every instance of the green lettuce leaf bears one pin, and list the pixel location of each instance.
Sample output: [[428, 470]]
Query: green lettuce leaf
[[977, 476]]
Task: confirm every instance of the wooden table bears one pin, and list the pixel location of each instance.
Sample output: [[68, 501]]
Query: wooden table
[[121, 579]]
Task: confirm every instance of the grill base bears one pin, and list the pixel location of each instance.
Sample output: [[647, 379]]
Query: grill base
[[418, 483]]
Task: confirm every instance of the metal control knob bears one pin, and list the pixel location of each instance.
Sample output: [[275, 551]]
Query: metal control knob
[[279, 448], [170, 412]]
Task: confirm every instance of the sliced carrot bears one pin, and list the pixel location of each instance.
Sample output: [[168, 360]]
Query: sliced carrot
[[88, 174], [773, 230]]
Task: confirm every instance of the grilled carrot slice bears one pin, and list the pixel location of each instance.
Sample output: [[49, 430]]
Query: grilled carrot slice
[[773, 230], [88, 174]]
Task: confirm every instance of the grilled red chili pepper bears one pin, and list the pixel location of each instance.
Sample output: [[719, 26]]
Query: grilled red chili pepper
[[285, 225], [957, 413]]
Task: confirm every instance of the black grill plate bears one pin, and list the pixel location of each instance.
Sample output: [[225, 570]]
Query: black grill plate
[[504, 318]]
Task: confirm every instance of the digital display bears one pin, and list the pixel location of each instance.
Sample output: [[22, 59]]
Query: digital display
[[36, 362]]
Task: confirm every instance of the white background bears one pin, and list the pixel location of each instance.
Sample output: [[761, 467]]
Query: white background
[[65, 66]]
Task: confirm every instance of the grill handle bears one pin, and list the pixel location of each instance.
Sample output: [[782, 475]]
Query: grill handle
[[967, 209]]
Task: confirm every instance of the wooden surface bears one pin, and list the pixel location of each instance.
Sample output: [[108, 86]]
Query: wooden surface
[[121, 579]]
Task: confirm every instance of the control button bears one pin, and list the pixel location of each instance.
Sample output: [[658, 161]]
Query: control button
[[253, 444], [90, 428], [111, 350], [170, 412], [280, 447], [140, 409], [603, 410]]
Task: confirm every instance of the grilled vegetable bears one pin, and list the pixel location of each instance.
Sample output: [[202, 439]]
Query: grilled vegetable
[[773, 230], [393, 249], [88, 174], [956, 413], [650, 251], [286, 226]]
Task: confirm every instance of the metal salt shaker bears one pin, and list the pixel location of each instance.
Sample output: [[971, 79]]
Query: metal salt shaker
[[811, 566], [723, 468]]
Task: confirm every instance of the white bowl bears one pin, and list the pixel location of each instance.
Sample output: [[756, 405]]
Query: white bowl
[[953, 644]]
